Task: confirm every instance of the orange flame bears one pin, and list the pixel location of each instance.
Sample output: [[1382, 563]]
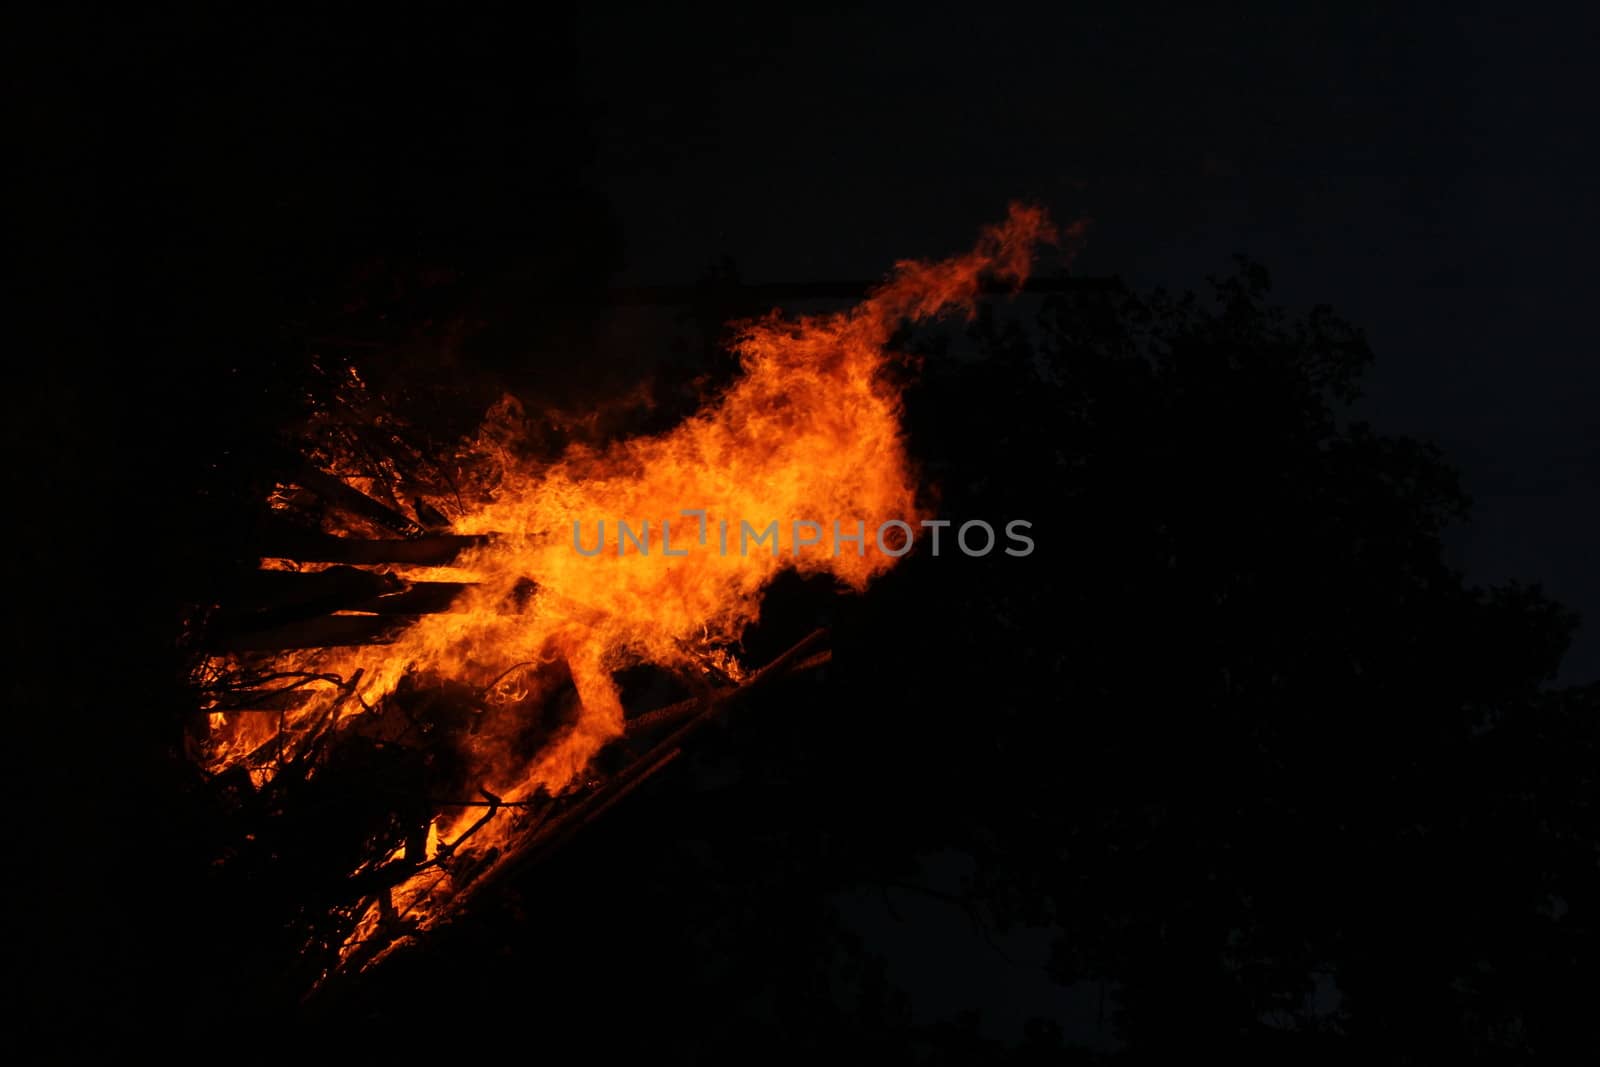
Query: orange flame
[[809, 431]]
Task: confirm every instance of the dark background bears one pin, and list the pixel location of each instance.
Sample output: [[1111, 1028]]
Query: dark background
[[205, 196], [1420, 170]]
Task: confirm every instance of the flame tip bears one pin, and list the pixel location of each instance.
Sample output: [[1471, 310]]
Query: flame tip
[[809, 430]]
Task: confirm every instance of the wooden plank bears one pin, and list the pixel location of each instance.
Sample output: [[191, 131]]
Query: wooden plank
[[326, 631], [418, 598], [271, 599], [307, 546]]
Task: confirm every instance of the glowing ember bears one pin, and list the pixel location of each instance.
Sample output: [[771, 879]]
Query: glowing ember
[[808, 430]]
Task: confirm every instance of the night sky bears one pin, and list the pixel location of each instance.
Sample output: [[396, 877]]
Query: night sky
[[1427, 173]]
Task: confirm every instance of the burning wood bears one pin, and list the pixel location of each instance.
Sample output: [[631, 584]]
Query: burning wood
[[433, 550], [500, 675]]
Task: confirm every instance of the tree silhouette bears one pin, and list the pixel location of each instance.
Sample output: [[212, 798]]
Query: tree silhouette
[[1282, 780]]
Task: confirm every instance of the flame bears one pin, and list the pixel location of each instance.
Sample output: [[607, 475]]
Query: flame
[[808, 431]]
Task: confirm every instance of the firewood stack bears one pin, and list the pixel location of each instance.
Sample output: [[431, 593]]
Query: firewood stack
[[351, 856]]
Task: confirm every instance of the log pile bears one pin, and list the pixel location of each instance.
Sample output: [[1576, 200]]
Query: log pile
[[394, 752]]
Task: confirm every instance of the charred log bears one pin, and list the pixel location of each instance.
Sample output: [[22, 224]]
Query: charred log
[[432, 550], [341, 494], [327, 631]]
